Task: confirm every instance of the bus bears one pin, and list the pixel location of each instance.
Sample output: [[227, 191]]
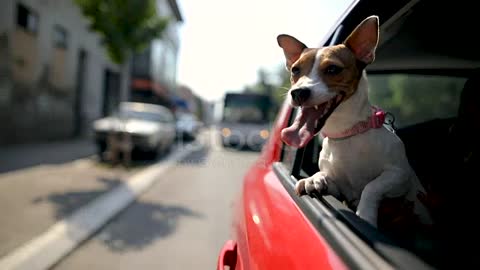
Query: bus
[[245, 120]]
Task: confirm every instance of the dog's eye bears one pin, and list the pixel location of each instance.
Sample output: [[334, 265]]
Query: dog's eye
[[295, 71], [333, 70]]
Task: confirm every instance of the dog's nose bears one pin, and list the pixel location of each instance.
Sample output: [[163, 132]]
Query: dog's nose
[[300, 95]]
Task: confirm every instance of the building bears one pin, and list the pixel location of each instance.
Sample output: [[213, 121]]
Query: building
[[154, 71], [188, 100], [55, 77]]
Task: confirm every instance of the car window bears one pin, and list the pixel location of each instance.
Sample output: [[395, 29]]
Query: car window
[[146, 115], [411, 98], [416, 98], [246, 108], [186, 117]]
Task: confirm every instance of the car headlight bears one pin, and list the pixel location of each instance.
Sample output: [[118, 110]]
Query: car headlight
[[226, 132], [264, 133]]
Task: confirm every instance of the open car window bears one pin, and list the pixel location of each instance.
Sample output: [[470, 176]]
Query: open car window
[[409, 98], [416, 98]]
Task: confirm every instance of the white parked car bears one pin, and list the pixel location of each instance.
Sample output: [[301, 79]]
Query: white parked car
[[151, 127]]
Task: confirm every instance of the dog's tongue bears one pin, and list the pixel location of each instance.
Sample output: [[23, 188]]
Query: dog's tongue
[[303, 128]]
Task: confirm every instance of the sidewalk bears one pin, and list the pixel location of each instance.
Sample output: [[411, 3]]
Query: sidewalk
[[14, 157], [43, 183]]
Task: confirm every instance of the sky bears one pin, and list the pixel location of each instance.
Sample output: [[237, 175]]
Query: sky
[[223, 43]]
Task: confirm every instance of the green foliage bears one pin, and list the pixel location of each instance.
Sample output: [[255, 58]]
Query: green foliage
[[125, 25], [275, 84], [416, 98]]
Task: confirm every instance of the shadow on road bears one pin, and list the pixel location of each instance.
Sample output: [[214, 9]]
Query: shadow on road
[[141, 224], [66, 203], [133, 228]]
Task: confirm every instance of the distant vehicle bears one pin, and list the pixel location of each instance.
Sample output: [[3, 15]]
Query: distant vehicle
[[151, 127], [245, 120], [187, 125]]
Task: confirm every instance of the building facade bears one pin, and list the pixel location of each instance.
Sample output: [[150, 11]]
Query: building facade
[[154, 71], [55, 76]]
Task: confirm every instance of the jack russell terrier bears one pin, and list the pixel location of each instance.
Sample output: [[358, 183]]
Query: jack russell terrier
[[361, 161]]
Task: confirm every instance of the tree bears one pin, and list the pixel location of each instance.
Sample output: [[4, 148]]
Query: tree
[[274, 84], [125, 26]]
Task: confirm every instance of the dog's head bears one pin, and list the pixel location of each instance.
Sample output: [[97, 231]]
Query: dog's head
[[322, 78]]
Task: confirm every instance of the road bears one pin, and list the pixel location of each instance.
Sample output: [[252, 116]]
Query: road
[[40, 184], [179, 223]]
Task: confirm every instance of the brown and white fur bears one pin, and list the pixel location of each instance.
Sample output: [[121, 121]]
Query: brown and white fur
[[362, 169]]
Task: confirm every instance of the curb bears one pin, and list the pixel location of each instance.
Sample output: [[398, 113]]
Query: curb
[[64, 236]]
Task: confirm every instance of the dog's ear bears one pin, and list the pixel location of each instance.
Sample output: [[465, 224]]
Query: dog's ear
[[292, 48], [364, 40]]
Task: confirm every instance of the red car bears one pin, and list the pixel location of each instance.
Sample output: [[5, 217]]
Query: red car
[[424, 58]]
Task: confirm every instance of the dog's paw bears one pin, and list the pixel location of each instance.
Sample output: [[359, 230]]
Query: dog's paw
[[315, 184], [300, 187]]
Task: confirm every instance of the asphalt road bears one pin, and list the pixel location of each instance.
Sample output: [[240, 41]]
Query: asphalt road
[[180, 223]]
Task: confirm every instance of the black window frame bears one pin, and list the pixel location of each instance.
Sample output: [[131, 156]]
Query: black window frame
[[60, 37]]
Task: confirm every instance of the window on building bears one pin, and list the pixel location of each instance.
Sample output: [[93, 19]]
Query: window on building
[[26, 18], [60, 37], [141, 64]]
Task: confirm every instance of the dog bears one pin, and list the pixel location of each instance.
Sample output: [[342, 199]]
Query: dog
[[361, 161]]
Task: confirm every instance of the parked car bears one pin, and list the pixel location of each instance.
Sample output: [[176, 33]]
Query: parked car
[[426, 52], [188, 126], [151, 127]]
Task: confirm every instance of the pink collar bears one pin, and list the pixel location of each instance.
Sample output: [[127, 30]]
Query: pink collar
[[376, 120]]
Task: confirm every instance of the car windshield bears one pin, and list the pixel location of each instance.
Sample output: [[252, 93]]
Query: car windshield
[[186, 117], [246, 108], [142, 115]]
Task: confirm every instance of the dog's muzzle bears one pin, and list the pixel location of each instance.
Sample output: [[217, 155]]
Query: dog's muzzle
[[300, 95]]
